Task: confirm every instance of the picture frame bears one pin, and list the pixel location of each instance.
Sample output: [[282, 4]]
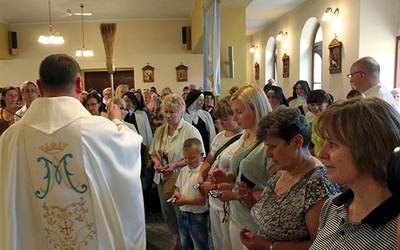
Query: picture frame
[[257, 71], [181, 73], [285, 68], [335, 56], [148, 73]]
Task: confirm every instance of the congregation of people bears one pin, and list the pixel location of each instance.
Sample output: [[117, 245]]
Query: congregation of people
[[254, 169]]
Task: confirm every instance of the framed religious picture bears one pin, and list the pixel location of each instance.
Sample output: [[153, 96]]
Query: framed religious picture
[[257, 71], [148, 73], [335, 56], [181, 73], [285, 69]]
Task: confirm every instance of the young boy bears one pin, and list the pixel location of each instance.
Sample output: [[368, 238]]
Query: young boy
[[193, 210]]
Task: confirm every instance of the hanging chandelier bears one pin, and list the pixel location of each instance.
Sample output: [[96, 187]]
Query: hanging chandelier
[[83, 51], [50, 38]]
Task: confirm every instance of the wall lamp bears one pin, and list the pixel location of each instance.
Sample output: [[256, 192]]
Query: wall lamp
[[281, 35], [328, 12], [253, 49]]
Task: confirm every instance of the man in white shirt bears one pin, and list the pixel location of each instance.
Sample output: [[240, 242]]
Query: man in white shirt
[[29, 92], [69, 180], [365, 77]]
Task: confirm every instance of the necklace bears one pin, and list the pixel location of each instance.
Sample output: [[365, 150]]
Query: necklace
[[297, 170], [249, 141]]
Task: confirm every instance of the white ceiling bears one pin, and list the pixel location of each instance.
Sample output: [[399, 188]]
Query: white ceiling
[[258, 13]]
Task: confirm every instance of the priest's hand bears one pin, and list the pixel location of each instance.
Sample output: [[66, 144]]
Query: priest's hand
[[114, 112]]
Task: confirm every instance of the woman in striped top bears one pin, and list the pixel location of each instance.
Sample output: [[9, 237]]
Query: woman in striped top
[[360, 135]]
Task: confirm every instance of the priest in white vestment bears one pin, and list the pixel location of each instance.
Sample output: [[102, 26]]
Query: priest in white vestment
[[69, 180]]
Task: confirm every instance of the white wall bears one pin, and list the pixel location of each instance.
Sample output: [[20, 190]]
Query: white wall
[[371, 33], [378, 33], [137, 43]]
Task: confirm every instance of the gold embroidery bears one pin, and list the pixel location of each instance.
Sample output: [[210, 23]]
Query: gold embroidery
[[54, 148], [68, 227]]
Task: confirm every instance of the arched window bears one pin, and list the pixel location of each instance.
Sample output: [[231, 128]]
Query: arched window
[[270, 60], [307, 40], [276, 65], [317, 60]]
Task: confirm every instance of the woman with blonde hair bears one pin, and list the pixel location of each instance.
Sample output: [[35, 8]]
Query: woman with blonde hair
[[249, 105], [166, 153]]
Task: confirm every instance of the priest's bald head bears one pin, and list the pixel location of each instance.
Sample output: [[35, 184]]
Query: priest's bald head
[[60, 75]]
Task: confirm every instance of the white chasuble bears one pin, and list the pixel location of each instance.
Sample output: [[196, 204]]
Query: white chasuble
[[70, 180], [61, 188]]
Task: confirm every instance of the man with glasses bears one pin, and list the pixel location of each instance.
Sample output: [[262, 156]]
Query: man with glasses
[[29, 92], [365, 77]]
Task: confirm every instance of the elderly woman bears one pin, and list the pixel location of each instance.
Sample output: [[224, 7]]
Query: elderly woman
[[121, 90], [365, 215], [166, 153], [249, 104], [289, 208], [275, 96], [9, 102]]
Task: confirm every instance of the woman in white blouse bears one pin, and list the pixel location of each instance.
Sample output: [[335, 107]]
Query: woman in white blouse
[[166, 153]]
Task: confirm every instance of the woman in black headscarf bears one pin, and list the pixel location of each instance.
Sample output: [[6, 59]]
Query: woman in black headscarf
[[138, 117], [300, 93], [275, 96], [200, 118]]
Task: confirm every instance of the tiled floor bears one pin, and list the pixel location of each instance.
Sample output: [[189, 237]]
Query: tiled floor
[[158, 237], [157, 233]]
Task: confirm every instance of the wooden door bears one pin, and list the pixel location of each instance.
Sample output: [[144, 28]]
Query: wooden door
[[100, 79]]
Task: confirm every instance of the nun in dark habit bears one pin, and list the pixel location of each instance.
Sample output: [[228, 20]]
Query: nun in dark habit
[[199, 118]]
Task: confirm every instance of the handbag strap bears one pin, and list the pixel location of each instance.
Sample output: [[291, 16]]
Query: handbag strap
[[160, 145], [162, 136], [252, 148], [232, 140]]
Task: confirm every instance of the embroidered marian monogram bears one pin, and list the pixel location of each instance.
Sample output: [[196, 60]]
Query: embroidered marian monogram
[[57, 170], [61, 188]]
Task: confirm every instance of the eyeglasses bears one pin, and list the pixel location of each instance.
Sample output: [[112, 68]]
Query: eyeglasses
[[351, 74]]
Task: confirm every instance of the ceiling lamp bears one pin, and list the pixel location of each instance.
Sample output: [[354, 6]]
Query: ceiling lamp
[[84, 51], [70, 13], [50, 38]]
